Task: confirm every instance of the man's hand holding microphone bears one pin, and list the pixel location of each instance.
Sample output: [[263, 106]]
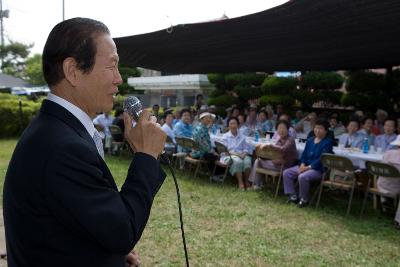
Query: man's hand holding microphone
[[146, 136]]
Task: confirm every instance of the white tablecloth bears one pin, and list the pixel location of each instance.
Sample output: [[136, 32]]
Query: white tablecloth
[[357, 157]]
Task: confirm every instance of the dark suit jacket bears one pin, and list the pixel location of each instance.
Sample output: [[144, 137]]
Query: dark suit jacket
[[61, 204]]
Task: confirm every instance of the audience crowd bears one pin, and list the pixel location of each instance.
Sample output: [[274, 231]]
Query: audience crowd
[[320, 133]]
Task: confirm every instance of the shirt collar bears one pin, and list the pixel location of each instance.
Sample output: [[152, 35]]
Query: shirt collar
[[76, 111]]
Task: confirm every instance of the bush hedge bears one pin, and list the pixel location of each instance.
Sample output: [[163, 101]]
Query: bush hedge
[[279, 85], [322, 80], [11, 120]]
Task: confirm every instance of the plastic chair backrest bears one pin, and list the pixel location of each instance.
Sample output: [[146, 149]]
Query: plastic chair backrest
[[187, 143], [221, 148], [336, 162], [382, 169], [269, 152]]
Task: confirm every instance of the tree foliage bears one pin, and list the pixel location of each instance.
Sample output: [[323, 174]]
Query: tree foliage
[[127, 72], [241, 86], [369, 90], [318, 80], [279, 85], [14, 56], [34, 71]]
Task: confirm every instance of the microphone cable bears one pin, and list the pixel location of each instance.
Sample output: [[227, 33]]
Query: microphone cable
[[164, 158]]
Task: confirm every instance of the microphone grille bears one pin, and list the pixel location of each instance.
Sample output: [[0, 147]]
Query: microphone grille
[[133, 107]]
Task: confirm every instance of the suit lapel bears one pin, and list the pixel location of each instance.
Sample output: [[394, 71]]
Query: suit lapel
[[68, 118]]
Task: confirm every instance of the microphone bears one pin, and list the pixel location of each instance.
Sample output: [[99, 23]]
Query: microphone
[[133, 107]]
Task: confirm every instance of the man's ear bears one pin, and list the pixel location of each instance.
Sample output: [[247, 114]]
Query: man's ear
[[71, 71]]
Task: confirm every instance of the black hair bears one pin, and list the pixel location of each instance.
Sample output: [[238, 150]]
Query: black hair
[[184, 111], [232, 118], [286, 123], [166, 114], [283, 114], [322, 122], [356, 121], [364, 120], [71, 38], [265, 113]]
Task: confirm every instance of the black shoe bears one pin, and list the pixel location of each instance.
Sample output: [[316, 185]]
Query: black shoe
[[293, 199], [302, 203]]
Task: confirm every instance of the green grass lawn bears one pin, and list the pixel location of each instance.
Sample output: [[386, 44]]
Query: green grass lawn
[[226, 227]]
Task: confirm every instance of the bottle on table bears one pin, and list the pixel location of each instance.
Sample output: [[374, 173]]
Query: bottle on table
[[256, 136], [365, 146]]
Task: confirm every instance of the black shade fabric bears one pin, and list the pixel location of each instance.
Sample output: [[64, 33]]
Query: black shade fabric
[[298, 35]]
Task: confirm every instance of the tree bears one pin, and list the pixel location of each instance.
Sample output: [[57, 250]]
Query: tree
[[34, 71], [14, 58], [234, 88], [127, 72]]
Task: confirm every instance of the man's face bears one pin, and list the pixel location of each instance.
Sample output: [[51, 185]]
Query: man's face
[[388, 127], [95, 91]]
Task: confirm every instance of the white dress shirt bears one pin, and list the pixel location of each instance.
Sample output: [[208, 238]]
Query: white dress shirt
[[77, 112], [236, 143]]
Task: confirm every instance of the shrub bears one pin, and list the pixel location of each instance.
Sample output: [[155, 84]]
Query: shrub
[[223, 101], [285, 100], [279, 85], [10, 118], [249, 78], [247, 92], [322, 80]]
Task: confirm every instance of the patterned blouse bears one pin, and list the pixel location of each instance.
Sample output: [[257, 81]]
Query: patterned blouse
[[202, 138]]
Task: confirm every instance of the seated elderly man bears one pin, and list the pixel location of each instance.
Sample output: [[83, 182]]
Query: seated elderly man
[[239, 150], [383, 141], [353, 138]]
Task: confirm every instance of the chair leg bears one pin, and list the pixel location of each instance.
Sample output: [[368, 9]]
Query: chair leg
[[365, 198], [225, 174], [213, 172], [321, 186], [278, 184], [351, 197], [196, 170]]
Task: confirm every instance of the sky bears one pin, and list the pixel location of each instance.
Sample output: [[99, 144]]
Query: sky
[[31, 21]]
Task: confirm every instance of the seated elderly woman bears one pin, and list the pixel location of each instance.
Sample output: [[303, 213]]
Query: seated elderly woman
[[390, 185], [310, 168], [238, 148], [285, 144]]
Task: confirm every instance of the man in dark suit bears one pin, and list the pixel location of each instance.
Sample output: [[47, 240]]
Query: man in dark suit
[[61, 204]]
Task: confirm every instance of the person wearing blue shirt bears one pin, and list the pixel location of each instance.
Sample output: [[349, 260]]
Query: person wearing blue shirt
[[310, 168], [383, 141], [353, 138], [184, 128]]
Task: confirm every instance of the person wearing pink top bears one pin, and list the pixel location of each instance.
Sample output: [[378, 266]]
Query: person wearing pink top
[[286, 144]]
